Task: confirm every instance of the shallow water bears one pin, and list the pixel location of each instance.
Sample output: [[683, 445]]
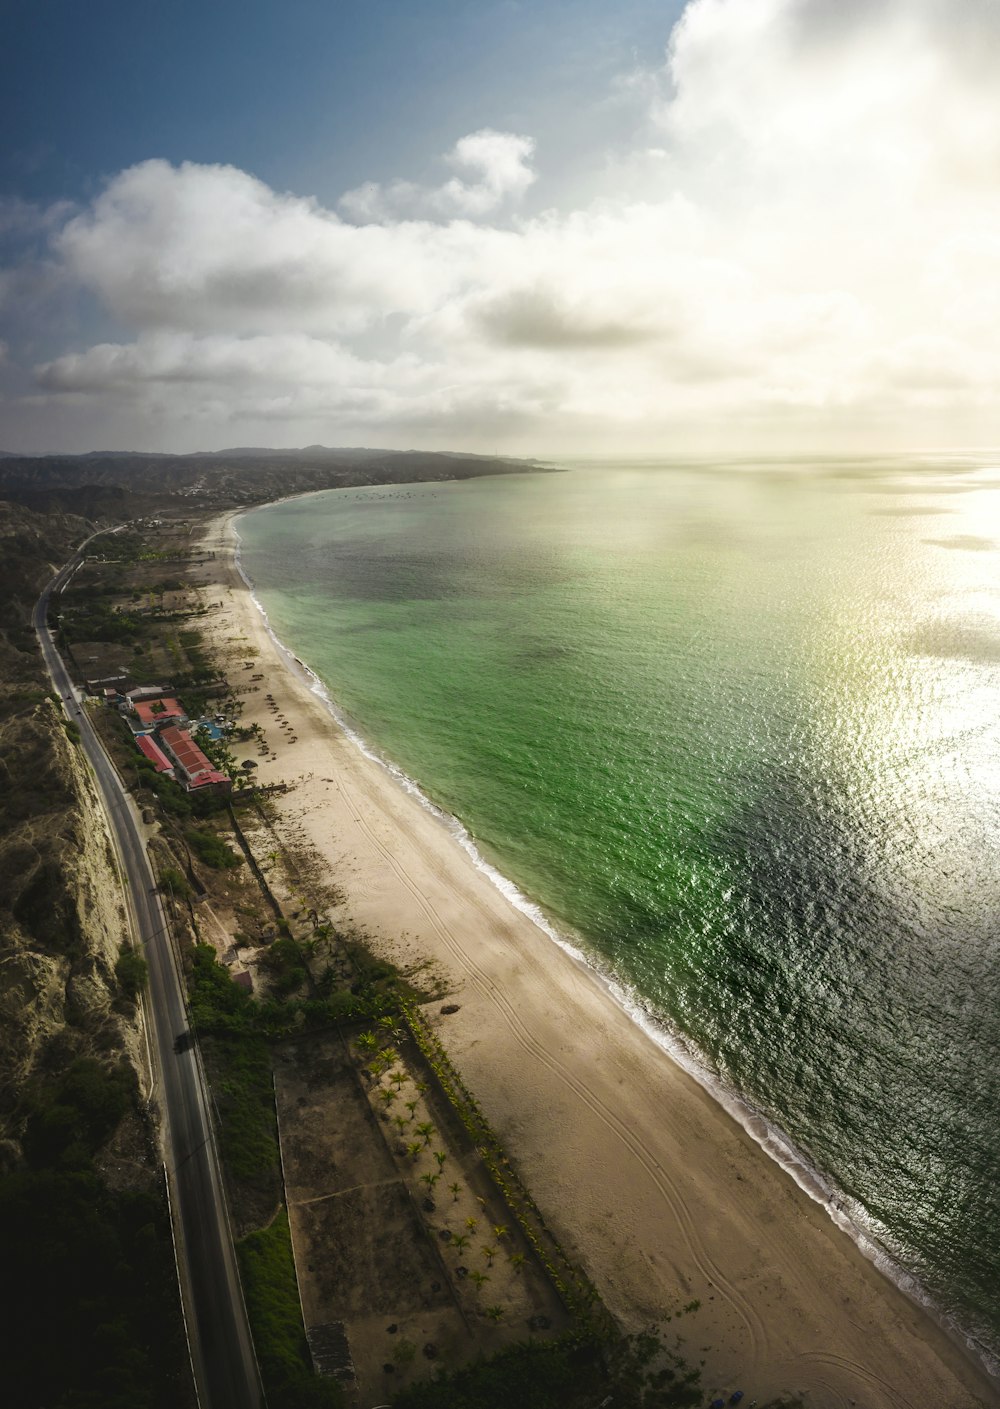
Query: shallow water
[[735, 726]]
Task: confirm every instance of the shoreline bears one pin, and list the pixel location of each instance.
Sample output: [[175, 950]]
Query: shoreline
[[629, 1104]]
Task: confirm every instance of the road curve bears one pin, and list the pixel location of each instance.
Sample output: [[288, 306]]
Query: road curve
[[218, 1333]]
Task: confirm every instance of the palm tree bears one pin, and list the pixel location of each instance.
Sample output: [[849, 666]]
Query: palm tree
[[496, 1313], [398, 1077], [479, 1278], [399, 1122], [411, 1106], [414, 1147], [499, 1231], [460, 1241], [426, 1130], [456, 1189], [429, 1179], [517, 1261], [387, 1096], [471, 1224], [440, 1156], [489, 1253]]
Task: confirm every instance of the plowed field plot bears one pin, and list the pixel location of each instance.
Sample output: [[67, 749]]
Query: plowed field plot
[[396, 1275]]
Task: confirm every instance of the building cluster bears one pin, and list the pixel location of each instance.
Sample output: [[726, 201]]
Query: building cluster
[[164, 734]]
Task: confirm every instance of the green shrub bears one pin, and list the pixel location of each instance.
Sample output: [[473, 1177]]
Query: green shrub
[[172, 796], [174, 883], [211, 849], [71, 1116], [131, 971]]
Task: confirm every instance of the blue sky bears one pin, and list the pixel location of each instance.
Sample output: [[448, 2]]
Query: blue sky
[[310, 95], [549, 227]]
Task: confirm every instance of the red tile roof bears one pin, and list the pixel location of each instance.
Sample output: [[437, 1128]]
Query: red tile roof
[[193, 764], [155, 711], [156, 755]]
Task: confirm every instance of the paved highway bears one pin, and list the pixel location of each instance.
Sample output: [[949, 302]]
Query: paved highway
[[219, 1336]]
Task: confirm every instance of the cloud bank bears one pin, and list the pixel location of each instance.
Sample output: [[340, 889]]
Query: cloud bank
[[802, 248]]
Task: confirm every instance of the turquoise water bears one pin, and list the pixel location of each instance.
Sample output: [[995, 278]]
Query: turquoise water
[[735, 727]]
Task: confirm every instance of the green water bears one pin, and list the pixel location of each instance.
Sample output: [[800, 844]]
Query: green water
[[734, 727]]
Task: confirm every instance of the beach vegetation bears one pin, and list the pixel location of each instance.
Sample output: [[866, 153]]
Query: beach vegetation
[[575, 1371]]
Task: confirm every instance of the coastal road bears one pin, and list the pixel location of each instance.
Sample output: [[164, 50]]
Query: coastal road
[[219, 1337]]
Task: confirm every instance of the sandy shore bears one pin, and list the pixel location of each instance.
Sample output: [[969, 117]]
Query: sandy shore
[[658, 1193]]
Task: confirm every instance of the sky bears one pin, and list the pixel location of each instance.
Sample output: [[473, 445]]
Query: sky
[[539, 227]]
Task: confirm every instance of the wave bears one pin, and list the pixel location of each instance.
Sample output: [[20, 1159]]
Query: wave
[[848, 1214]]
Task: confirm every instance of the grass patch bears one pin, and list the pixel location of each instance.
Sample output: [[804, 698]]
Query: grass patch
[[268, 1273]]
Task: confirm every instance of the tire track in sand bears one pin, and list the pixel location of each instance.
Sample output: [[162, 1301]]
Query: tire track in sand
[[867, 1378], [658, 1175]]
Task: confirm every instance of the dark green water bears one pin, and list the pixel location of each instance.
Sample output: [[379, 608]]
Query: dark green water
[[735, 727]]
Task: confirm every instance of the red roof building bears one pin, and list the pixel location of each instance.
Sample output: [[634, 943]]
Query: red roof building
[[154, 754], [152, 712], [196, 771]]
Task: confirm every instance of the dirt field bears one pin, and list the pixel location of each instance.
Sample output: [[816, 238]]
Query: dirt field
[[405, 1253]]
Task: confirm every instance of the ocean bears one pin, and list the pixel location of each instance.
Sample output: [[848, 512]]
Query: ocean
[[733, 726]]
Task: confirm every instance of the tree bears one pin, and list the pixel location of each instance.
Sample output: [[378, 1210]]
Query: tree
[[131, 971]]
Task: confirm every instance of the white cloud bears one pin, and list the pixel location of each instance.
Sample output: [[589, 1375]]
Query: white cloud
[[497, 162], [813, 250]]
